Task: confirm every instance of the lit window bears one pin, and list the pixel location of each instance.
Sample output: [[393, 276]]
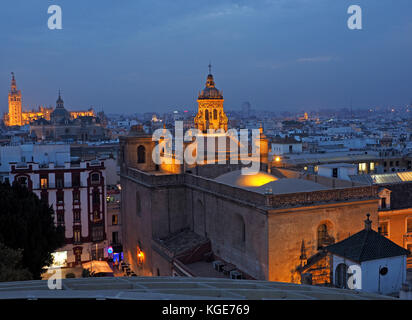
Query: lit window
[[362, 167], [115, 219], [76, 236], [96, 215], [43, 183]]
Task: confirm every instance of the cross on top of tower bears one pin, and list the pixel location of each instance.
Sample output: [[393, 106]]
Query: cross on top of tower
[[210, 68]]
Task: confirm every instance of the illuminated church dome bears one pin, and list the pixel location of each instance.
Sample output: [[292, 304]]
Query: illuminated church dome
[[210, 91], [210, 114], [262, 182]]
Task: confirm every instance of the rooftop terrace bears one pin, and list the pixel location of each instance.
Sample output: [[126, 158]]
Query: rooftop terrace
[[174, 288]]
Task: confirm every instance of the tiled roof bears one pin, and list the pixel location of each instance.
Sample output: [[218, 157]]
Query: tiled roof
[[401, 195], [366, 245]]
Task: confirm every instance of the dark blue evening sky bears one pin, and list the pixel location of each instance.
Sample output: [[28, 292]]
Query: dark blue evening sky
[[135, 56]]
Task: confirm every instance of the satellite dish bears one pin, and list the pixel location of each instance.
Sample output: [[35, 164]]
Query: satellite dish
[[383, 271]]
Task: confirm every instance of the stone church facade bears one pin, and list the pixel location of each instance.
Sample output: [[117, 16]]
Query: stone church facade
[[174, 221]]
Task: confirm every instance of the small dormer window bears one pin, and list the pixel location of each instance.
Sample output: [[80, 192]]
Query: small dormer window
[[383, 203], [385, 199]]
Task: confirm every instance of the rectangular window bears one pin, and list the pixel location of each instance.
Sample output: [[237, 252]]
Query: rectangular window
[[44, 181], [76, 215], [96, 215], [96, 198], [59, 180], [60, 218], [409, 225], [362, 167], [76, 236], [384, 226], [95, 178], [76, 196], [383, 203], [76, 179], [59, 196], [97, 233], [115, 219], [335, 172]]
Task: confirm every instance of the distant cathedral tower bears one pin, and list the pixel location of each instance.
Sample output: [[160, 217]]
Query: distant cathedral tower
[[210, 114], [15, 118]]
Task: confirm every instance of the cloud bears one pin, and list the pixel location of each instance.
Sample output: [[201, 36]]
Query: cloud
[[316, 59]]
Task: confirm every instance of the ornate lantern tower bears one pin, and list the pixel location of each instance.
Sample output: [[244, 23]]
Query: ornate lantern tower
[[210, 113]]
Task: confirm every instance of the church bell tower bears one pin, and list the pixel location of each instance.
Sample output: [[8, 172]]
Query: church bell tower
[[15, 118], [210, 114]]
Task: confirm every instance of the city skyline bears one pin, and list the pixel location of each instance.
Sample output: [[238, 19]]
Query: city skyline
[[138, 58]]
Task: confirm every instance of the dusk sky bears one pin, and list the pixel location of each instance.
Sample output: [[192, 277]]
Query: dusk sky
[[133, 56]]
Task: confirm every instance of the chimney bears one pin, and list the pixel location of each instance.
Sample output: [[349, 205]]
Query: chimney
[[368, 223]]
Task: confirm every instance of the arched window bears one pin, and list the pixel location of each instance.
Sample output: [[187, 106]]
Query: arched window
[[239, 231], [341, 276], [324, 237], [141, 154], [215, 114]]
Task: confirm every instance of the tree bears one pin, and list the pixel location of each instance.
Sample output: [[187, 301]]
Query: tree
[[11, 265], [27, 224]]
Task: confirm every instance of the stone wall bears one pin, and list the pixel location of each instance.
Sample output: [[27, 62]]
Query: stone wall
[[289, 226], [260, 234]]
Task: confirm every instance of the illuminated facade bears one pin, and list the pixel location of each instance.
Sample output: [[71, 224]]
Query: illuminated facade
[[77, 114], [179, 217], [17, 117], [14, 117], [32, 115], [210, 113]]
